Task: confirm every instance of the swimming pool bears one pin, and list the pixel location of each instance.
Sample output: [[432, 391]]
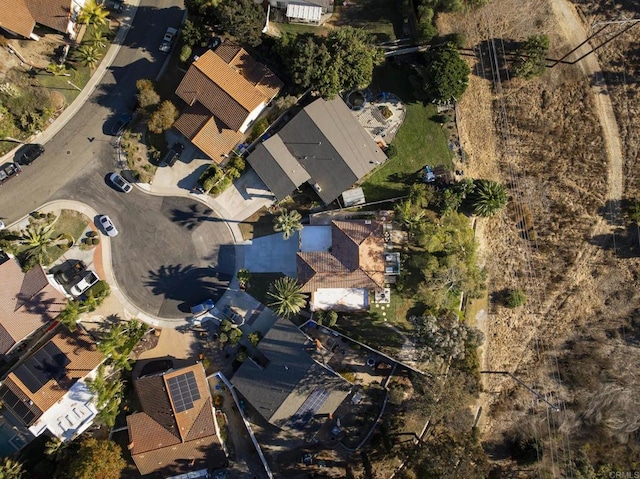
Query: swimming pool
[[10, 439]]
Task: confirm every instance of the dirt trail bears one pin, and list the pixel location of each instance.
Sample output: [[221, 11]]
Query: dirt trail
[[570, 24]]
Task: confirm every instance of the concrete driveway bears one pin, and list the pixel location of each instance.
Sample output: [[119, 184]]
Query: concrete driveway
[[271, 254]]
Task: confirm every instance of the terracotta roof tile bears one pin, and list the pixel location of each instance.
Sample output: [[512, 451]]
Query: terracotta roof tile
[[215, 140], [27, 302], [192, 119], [54, 14], [355, 261], [16, 17], [230, 84], [170, 442]]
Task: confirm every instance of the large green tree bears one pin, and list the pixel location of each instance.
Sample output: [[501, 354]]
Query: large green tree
[[107, 396], [446, 75], [163, 118], [244, 19], [288, 300], [94, 459], [344, 60], [531, 57]]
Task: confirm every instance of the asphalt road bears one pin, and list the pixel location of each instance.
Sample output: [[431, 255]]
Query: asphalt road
[[171, 252]]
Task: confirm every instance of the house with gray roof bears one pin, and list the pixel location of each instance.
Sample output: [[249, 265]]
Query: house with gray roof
[[284, 384], [324, 145]]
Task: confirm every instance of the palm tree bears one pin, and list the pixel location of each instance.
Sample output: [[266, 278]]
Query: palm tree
[[98, 39], [37, 238], [409, 215], [93, 14], [489, 197], [69, 315], [287, 297], [287, 222], [10, 469], [89, 55]]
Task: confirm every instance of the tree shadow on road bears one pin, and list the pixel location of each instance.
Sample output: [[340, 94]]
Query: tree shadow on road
[[187, 285]]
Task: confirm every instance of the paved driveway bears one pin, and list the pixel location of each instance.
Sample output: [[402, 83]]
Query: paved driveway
[[271, 254]]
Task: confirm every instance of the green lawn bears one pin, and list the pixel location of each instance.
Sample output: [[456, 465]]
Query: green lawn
[[297, 28], [372, 330], [78, 74], [72, 223], [420, 141]]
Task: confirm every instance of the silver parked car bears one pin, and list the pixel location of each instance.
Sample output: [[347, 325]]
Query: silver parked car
[[88, 280], [108, 226], [120, 182]]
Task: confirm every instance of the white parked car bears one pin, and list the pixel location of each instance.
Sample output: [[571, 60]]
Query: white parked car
[[120, 182], [167, 40], [88, 280], [107, 225]]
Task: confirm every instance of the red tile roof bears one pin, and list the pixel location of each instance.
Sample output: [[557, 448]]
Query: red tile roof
[[16, 17], [227, 85], [27, 302], [54, 14], [171, 442], [355, 261]]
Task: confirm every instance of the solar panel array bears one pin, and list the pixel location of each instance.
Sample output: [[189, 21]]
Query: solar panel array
[[184, 391], [309, 408], [21, 409], [46, 364]]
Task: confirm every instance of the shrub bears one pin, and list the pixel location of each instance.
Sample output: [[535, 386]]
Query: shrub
[[348, 375], [95, 240], [254, 338], [242, 356], [332, 318], [234, 336], [185, 53], [258, 129], [515, 298], [392, 151], [318, 317]]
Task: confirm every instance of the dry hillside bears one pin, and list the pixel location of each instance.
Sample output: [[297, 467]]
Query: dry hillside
[[554, 140]]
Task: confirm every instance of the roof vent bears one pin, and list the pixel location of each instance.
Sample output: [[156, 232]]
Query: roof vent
[[367, 222], [317, 187], [195, 58]]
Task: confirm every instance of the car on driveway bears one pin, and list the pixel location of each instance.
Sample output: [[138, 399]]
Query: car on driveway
[[202, 308], [88, 280], [108, 226], [29, 154], [8, 171], [214, 42], [120, 183], [120, 124], [167, 40]]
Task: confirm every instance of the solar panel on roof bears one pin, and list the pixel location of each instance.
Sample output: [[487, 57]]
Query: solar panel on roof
[[309, 408], [46, 364], [19, 408], [184, 391]]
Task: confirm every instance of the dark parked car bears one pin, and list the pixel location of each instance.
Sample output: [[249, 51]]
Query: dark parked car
[[214, 42], [30, 153], [173, 154], [8, 171], [122, 121]]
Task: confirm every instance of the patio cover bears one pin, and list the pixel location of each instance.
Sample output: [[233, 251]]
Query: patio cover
[[310, 13]]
